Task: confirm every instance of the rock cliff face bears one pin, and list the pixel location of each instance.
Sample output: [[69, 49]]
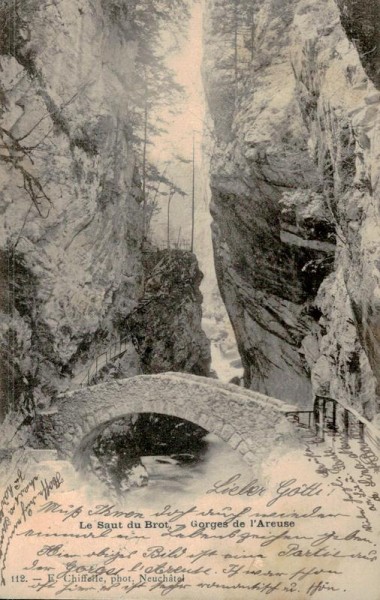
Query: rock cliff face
[[70, 207], [295, 186], [164, 330], [361, 23], [166, 326], [70, 192]]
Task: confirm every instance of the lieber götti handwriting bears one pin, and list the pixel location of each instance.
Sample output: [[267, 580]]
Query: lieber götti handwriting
[[284, 489]]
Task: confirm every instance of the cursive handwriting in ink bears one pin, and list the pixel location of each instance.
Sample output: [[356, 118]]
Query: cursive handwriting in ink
[[229, 487]]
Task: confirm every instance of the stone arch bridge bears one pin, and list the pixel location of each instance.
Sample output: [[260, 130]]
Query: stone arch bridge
[[248, 421]]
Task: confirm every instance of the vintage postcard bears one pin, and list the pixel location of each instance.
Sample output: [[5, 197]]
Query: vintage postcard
[[189, 299]]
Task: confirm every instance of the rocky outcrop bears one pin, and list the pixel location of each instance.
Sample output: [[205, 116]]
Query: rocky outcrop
[[164, 331], [166, 326], [294, 179], [360, 20]]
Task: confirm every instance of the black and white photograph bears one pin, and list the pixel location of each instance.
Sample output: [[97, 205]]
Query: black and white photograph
[[189, 299]]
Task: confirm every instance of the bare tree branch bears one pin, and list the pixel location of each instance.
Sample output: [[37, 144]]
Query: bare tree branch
[[16, 153]]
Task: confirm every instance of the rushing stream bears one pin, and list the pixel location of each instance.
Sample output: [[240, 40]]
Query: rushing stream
[[147, 458], [173, 481]]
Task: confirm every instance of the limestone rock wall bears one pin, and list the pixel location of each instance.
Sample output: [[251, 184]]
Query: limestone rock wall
[[71, 219], [295, 185], [71, 265]]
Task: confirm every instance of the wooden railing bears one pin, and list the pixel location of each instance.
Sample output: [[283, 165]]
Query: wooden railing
[[330, 416], [114, 350]]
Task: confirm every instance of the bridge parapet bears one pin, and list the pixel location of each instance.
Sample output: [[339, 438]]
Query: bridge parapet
[[248, 421]]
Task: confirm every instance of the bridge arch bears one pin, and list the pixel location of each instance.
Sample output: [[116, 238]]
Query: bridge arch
[[249, 422]]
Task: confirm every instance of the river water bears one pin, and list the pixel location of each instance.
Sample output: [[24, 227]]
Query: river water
[[171, 481]]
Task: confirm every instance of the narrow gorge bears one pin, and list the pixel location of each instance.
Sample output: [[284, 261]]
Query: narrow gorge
[[189, 299]]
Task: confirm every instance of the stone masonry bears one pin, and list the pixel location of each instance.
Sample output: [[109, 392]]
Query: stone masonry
[[248, 421]]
